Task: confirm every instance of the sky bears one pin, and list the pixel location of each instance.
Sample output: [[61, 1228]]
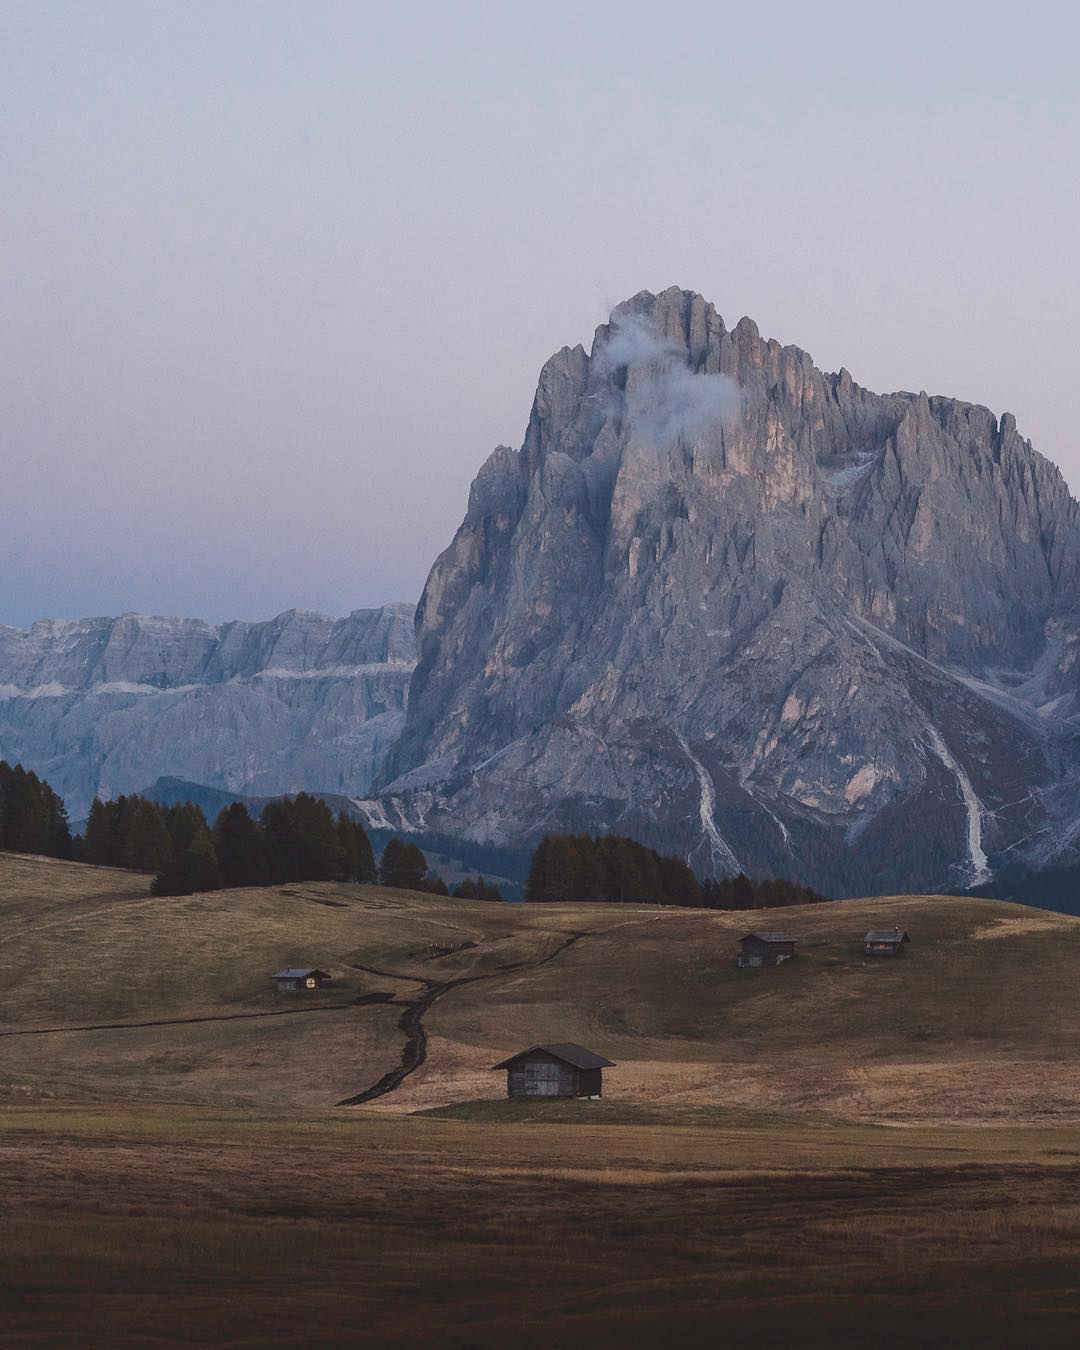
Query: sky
[[277, 275]]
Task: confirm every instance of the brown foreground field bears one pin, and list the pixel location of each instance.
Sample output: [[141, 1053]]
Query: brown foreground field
[[177, 1226], [834, 1152]]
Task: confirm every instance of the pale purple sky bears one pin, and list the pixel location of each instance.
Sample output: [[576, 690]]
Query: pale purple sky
[[276, 277]]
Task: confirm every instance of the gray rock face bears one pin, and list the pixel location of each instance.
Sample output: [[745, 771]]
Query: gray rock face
[[303, 701], [756, 613]]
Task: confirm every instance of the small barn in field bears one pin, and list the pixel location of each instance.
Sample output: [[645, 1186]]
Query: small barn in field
[[299, 979], [565, 1070], [765, 949], [885, 942]]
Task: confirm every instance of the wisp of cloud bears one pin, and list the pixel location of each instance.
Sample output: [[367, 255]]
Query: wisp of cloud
[[670, 402]]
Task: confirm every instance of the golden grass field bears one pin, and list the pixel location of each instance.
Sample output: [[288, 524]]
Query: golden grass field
[[831, 1151]]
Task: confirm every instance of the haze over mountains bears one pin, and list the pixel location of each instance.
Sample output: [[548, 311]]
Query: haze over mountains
[[718, 600]]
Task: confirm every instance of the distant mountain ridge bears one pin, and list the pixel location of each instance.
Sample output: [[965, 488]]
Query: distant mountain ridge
[[104, 706]]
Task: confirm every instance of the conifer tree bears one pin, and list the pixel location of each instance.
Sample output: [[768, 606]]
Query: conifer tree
[[680, 886], [184, 820], [201, 862], [98, 834], [119, 811], [148, 847], [536, 882], [32, 816], [320, 856], [742, 893], [359, 857], [194, 868], [402, 865], [240, 849]]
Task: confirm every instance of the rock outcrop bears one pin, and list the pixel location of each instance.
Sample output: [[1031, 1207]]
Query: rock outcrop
[[739, 607], [302, 701]]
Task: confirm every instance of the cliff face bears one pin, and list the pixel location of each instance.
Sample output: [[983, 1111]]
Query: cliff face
[[108, 705], [755, 612]]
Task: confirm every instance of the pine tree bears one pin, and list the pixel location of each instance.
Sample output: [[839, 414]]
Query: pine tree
[[536, 882], [148, 847], [320, 856], [742, 893], [588, 873], [240, 849], [402, 865], [565, 867], [282, 852], [194, 868], [202, 863], [58, 840], [680, 886], [623, 881], [120, 812], [184, 820], [24, 827], [98, 833], [359, 857]]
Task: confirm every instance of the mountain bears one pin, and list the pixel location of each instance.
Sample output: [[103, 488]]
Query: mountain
[[751, 611], [302, 701], [719, 600]]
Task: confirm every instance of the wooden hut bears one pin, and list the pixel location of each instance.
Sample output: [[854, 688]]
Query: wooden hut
[[765, 949], [555, 1071], [885, 942], [299, 979]]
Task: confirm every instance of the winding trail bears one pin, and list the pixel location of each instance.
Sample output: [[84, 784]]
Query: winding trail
[[411, 1021]]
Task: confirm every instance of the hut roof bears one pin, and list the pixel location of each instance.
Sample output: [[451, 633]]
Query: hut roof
[[769, 937], [886, 935], [296, 973], [569, 1053]]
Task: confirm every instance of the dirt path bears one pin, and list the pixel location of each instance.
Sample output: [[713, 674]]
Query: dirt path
[[189, 1021], [411, 1022]]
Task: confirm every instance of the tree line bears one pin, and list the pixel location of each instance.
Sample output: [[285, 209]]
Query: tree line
[[404, 865], [299, 839], [32, 815], [293, 839], [619, 870]]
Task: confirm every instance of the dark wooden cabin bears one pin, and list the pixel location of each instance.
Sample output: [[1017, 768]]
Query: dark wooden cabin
[[765, 949], [885, 942], [555, 1071], [299, 980]]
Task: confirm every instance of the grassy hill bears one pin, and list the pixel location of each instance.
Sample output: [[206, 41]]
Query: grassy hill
[[977, 1023], [736, 1181]]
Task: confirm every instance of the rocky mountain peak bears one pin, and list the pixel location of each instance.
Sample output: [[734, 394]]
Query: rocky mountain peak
[[711, 558]]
